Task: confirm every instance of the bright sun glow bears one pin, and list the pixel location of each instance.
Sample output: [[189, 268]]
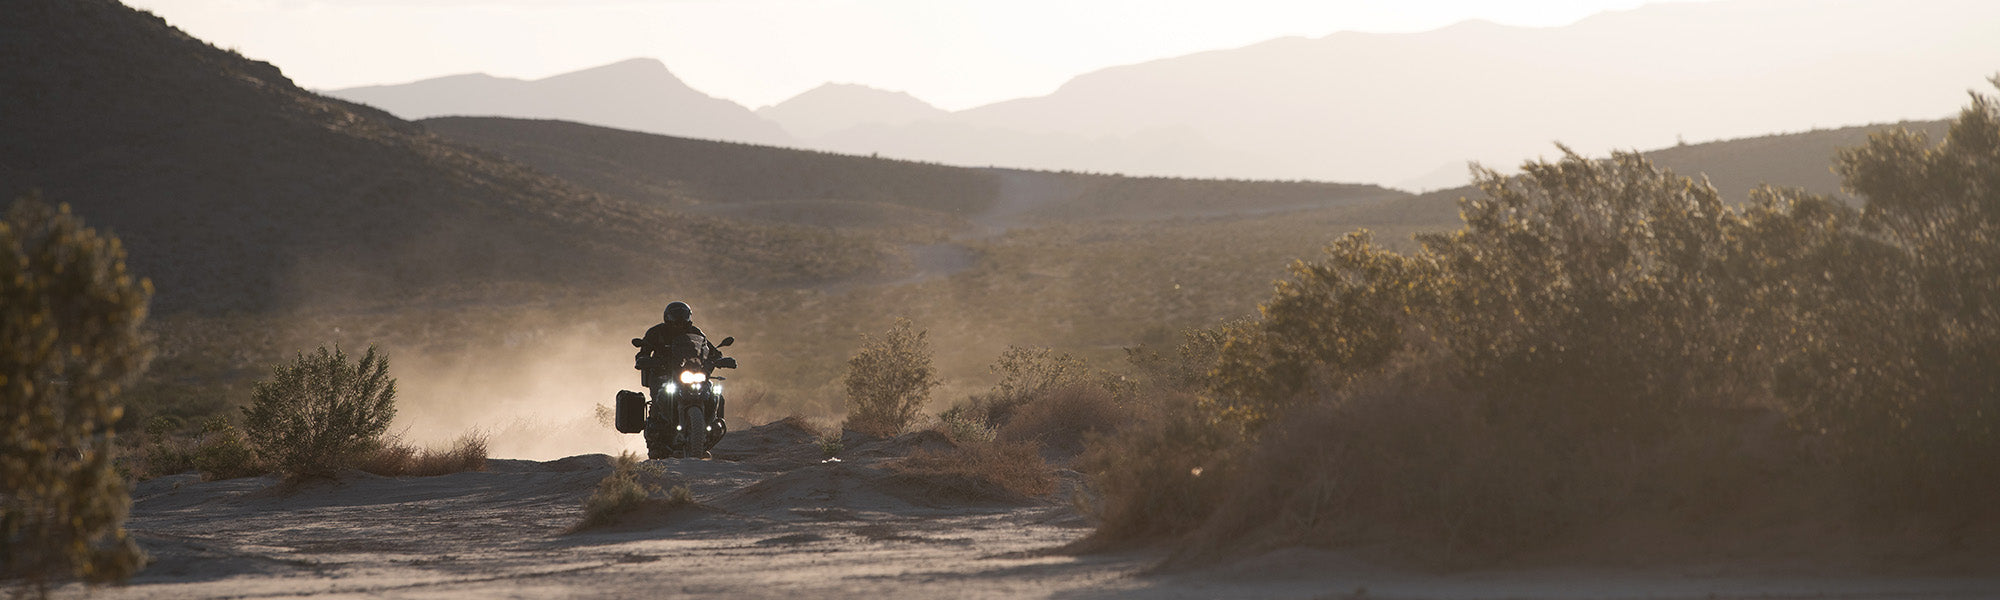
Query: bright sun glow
[[954, 54]]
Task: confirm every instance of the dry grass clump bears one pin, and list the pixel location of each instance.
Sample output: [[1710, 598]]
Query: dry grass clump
[[620, 492], [1013, 466], [393, 457]]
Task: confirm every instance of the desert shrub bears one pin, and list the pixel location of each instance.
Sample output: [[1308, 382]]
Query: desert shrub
[[314, 416], [1901, 376], [388, 456], [1026, 374], [1157, 476], [1065, 417], [680, 495], [1193, 365], [958, 425], [620, 492], [1013, 466], [69, 340], [393, 457], [1334, 320], [165, 450], [223, 452], [1592, 341], [889, 380]]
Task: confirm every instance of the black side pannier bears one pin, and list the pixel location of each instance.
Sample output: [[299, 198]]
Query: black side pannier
[[631, 413]]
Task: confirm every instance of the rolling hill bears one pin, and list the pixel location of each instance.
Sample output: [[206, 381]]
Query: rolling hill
[[234, 190], [714, 175]]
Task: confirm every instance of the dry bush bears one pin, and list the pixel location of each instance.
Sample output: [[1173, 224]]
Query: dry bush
[[1591, 350], [680, 495], [889, 379], [1014, 466], [961, 428], [1065, 417], [320, 412], [618, 493], [164, 449], [1026, 374], [223, 452], [392, 457], [388, 457], [1158, 476], [70, 317]]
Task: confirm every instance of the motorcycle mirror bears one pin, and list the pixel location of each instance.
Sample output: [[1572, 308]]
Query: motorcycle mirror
[[726, 341], [638, 343]]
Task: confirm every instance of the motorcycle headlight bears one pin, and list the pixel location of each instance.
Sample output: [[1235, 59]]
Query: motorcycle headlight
[[693, 377]]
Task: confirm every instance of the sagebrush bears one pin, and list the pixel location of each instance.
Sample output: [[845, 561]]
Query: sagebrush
[[317, 414], [69, 341], [1594, 344], [889, 380]]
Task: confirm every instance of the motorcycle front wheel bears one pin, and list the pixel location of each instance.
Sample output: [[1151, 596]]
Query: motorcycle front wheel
[[697, 432]]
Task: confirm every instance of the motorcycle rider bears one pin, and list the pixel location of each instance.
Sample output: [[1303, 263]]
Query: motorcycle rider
[[676, 337]]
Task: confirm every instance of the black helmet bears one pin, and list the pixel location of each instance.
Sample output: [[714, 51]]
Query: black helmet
[[679, 311]]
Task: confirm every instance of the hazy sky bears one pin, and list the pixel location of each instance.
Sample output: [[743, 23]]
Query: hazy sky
[[952, 53]]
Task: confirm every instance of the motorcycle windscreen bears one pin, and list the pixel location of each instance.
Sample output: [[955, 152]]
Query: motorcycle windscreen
[[687, 346]]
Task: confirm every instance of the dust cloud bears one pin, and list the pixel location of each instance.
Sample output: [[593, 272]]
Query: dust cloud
[[535, 391]]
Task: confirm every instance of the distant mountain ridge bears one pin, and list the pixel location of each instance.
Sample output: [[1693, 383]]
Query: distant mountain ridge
[[835, 107], [640, 94], [1393, 108]]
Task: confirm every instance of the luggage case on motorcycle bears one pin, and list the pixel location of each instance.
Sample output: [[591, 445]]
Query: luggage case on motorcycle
[[631, 413]]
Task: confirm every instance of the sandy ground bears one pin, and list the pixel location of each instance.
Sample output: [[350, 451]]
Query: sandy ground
[[772, 521]]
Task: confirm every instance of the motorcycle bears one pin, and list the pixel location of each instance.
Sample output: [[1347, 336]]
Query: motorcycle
[[684, 417]]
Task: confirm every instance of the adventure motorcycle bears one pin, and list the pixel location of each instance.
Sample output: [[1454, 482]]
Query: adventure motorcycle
[[685, 416]]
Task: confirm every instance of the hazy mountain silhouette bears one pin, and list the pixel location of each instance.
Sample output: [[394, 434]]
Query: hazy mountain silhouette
[[233, 189], [1393, 107], [1403, 109], [835, 107], [638, 94]]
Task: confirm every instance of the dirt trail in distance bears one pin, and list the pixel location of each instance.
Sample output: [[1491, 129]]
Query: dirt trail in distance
[[772, 520]]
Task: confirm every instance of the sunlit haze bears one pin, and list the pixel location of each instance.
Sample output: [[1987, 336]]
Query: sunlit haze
[[954, 55]]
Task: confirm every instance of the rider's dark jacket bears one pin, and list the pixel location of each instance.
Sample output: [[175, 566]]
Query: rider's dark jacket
[[658, 337], [664, 334]]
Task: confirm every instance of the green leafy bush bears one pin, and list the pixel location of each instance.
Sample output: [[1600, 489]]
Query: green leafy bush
[[889, 380], [315, 416], [69, 341]]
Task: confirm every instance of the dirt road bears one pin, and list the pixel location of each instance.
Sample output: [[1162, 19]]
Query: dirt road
[[772, 521]]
